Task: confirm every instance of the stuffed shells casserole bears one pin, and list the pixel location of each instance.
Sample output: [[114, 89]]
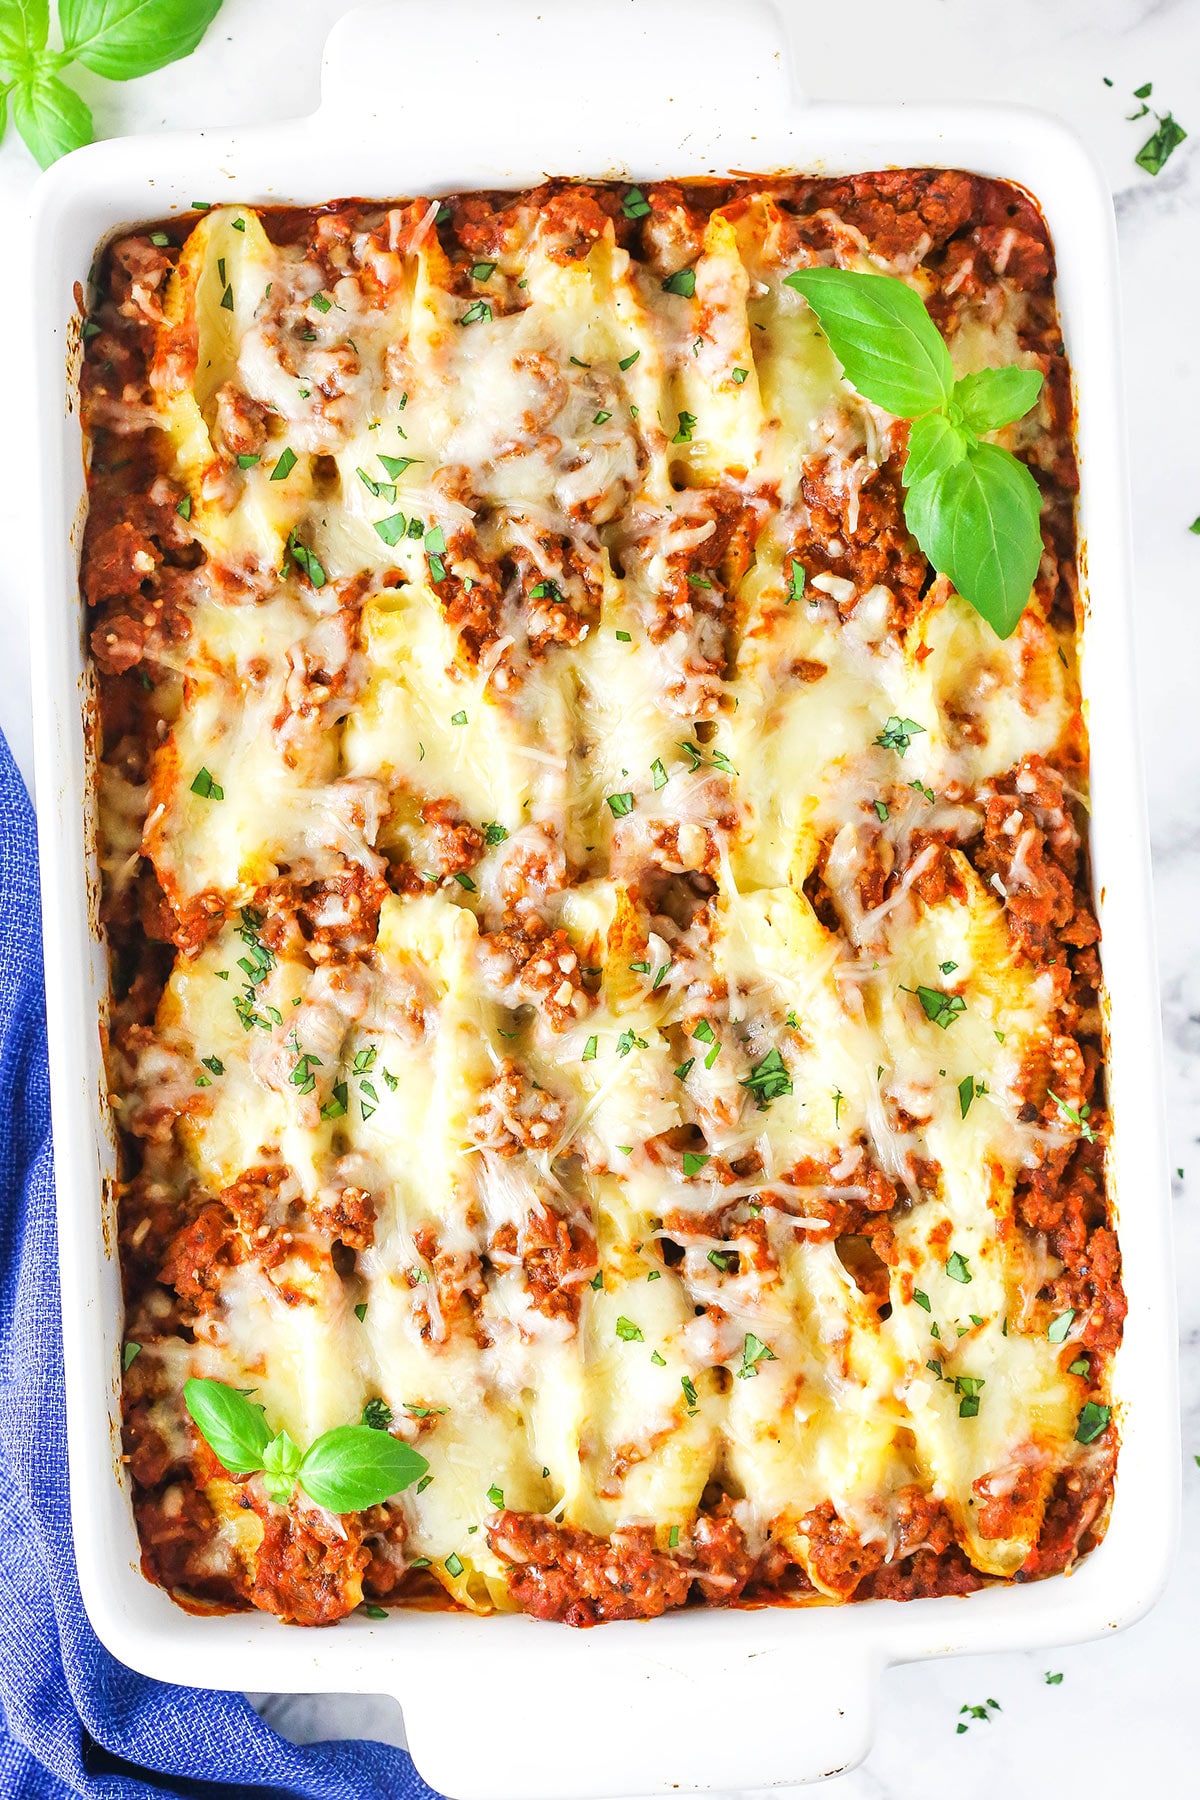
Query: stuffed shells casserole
[[604, 984]]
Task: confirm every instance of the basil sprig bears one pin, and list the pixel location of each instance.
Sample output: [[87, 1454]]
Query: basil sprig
[[346, 1470], [974, 508], [118, 39]]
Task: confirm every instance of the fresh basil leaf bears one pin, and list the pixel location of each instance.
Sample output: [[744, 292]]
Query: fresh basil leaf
[[979, 523], [236, 1432], [353, 1467], [921, 510], [51, 117], [24, 25], [934, 444], [878, 328], [991, 398], [124, 38], [281, 1465]]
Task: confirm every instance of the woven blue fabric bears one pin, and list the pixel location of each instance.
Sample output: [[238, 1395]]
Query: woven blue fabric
[[78, 1721]]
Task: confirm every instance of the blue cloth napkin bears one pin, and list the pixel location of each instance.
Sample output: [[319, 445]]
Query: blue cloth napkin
[[78, 1721]]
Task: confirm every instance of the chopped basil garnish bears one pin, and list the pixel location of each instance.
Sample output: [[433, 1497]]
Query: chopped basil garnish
[[682, 282], [335, 1106], [956, 1267], [693, 1162], [1161, 144], [496, 1495], [619, 805], [1075, 1116], [922, 1299], [628, 1332], [1058, 1328], [635, 204], [1093, 1419], [285, 465], [739, 375], [754, 1351], [392, 529], [768, 1080], [589, 1050], [687, 424], [479, 313], [482, 271], [206, 787], [898, 734], [939, 1008], [969, 1387], [454, 1566], [970, 1088], [627, 362], [129, 1355], [396, 465], [306, 561], [381, 490]]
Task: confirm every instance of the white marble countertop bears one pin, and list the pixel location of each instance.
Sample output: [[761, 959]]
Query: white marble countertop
[[1125, 1714]]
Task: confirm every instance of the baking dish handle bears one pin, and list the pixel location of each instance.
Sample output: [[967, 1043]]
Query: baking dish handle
[[395, 68], [624, 1717]]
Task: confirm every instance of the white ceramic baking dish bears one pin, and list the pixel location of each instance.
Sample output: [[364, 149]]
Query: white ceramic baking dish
[[422, 99]]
